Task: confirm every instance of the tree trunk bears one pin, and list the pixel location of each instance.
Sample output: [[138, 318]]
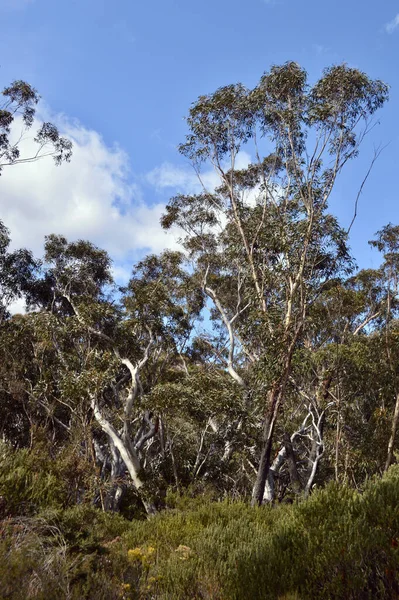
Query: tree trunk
[[268, 494], [267, 439], [115, 495], [128, 455], [316, 453], [394, 428], [292, 468]]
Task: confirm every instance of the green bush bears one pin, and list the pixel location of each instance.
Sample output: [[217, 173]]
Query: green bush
[[61, 554], [29, 480], [337, 544]]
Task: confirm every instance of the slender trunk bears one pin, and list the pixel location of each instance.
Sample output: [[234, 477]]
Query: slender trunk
[[116, 493], [312, 455], [338, 428], [276, 395], [396, 412], [313, 472], [99, 461], [337, 438], [316, 453], [267, 439], [174, 468], [394, 428], [346, 467], [263, 470], [128, 455], [167, 445], [268, 494], [229, 445], [292, 468]]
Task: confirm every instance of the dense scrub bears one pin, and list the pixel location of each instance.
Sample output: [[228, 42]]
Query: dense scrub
[[339, 543]]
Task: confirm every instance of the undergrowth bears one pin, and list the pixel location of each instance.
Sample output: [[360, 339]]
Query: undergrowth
[[337, 544]]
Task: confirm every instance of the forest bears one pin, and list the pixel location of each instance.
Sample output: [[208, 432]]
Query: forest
[[224, 426]]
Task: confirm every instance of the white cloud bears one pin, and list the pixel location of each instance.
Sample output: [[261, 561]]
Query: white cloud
[[92, 198], [17, 307], [181, 180], [186, 180], [121, 273], [392, 25]]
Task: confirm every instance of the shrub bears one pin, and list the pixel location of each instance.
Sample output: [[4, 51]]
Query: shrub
[[337, 544], [29, 481]]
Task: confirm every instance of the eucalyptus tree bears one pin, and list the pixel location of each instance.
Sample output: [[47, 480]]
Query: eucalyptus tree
[[262, 243], [18, 272], [114, 347], [387, 242], [17, 116]]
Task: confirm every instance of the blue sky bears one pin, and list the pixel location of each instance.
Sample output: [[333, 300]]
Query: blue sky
[[123, 75]]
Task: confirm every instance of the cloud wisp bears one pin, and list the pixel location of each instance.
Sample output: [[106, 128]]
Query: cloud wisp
[[392, 25], [186, 180]]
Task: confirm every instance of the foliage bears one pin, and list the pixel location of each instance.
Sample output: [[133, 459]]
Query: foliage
[[19, 103], [340, 543]]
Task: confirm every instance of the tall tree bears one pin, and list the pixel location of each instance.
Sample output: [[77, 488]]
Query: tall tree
[[387, 242], [262, 243]]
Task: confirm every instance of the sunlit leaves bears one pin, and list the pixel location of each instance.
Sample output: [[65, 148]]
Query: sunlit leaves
[[19, 101]]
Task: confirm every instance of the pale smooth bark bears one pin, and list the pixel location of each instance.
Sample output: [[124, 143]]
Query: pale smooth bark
[[229, 326], [268, 494], [318, 419], [127, 452], [394, 428]]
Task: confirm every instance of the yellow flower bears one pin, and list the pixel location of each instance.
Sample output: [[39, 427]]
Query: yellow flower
[[145, 555], [135, 554]]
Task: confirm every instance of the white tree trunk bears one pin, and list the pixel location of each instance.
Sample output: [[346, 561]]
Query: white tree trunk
[[128, 454]]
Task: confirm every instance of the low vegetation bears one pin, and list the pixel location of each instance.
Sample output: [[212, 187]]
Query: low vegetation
[[339, 543]]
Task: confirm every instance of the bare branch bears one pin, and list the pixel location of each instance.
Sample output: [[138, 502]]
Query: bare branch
[[377, 153]]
